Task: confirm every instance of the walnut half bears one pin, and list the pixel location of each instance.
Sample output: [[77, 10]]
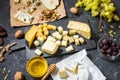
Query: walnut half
[[18, 76]]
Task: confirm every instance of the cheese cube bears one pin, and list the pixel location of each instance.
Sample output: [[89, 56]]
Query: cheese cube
[[41, 38], [69, 48], [82, 41], [64, 43], [65, 33], [63, 74], [75, 36], [71, 40], [50, 38], [59, 37], [58, 42], [38, 52], [36, 43], [60, 29], [56, 33], [65, 38], [50, 47], [72, 32], [77, 42], [51, 27], [46, 32]]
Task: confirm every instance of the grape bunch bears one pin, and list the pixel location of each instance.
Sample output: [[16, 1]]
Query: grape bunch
[[109, 47], [103, 8]]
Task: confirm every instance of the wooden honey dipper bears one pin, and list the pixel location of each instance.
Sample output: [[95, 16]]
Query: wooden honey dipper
[[51, 69]]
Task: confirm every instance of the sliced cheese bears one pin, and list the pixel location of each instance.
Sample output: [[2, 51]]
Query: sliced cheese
[[50, 47], [81, 28], [24, 17], [63, 74], [50, 4]]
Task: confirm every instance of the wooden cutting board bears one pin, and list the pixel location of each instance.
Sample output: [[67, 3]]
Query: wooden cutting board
[[15, 7]]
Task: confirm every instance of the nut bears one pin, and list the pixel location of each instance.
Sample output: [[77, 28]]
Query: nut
[[19, 34], [19, 76], [74, 10]]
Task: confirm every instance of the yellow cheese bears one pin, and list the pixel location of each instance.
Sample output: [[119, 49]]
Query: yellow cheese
[[81, 28], [30, 35]]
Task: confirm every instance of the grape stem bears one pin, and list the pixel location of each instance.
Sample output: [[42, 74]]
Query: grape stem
[[100, 23]]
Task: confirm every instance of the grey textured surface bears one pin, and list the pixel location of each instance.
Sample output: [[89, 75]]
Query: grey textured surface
[[17, 60]]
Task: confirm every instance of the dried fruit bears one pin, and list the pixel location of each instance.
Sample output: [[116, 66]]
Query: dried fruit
[[2, 32], [19, 76], [19, 34], [74, 10]]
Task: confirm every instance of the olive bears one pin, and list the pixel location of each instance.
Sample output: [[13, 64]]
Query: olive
[[105, 41], [114, 44], [101, 45], [102, 50], [109, 51], [105, 46]]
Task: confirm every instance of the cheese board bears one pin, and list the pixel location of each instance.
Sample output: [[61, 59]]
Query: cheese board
[[24, 14], [64, 48]]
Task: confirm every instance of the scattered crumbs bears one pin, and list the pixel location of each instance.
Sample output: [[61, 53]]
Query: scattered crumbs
[[101, 30], [6, 76], [114, 32], [115, 39], [3, 70], [1, 47], [111, 26], [118, 26]]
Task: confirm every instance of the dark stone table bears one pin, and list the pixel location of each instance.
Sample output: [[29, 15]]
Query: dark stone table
[[17, 60]]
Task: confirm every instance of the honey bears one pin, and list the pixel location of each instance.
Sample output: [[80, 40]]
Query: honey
[[37, 66]]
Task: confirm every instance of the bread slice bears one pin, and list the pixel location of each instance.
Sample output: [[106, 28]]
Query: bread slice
[[50, 4]]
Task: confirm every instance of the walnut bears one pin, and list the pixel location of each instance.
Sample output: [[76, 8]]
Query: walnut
[[74, 10], [19, 76]]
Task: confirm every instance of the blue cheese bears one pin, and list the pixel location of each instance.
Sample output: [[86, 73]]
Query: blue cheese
[[24, 17]]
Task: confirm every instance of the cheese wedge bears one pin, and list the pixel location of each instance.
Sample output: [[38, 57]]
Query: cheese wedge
[[50, 4], [30, 35], [50, 47], [81, 28]]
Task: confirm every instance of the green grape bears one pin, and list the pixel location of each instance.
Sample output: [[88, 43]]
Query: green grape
[[109, 19], [111, 8], [94, 13], [94, 7], [78, 4], [116, 18], [104, 8]]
